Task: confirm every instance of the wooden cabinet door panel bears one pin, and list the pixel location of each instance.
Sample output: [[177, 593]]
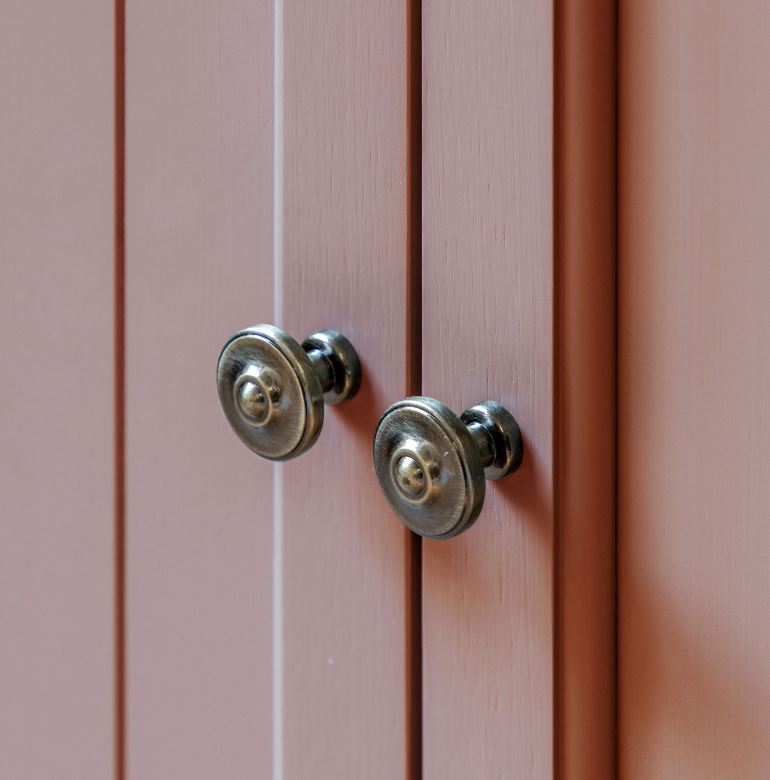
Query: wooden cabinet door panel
[[518, 302], [487, 333], [199, 266], [694, 431], [57, 341], [226, 163], [346, 562]]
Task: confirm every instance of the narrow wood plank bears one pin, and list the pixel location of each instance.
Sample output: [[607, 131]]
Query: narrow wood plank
[[488, 289], [694, 413], [346, 555], [57, 345], [199, 266], [586, 78]]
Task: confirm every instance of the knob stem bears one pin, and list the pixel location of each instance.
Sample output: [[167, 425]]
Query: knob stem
[[484, 442], [323, 368], [503, 450]]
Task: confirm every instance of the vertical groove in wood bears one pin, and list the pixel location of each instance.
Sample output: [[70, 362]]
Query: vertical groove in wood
[[414, 205], [616, 404], [413, 606], [414, 372], [616, 410], [585, 216], [120, 389]]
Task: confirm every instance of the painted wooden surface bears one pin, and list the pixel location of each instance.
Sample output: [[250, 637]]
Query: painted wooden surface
[[488, 291], [694, 473], [585, 388], [57, 346], [346, 557], [198, 267]]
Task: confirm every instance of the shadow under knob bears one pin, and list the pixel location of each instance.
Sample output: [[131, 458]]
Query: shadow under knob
[[432, 465], [272, 389]]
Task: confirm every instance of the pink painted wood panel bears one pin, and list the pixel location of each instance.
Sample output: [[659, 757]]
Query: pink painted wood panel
[[347, 558], [57, 655], [488, 288], [198, 267], [694, 436]]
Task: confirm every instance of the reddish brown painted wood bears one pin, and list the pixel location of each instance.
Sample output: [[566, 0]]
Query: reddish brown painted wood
[[346, 555], [585, 388], [694, 414], [488, 291], [198, 266], [57, 397]]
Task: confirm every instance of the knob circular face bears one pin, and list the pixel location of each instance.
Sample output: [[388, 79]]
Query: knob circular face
[[429, 467], [269, 392]]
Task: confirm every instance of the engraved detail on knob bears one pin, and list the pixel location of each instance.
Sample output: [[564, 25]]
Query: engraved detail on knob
[[257, 394], [410, 478], [272, 390], [416, 471], [432, 464]]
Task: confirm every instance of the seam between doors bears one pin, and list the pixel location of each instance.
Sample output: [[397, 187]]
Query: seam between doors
[[119, 378], [413, 383]]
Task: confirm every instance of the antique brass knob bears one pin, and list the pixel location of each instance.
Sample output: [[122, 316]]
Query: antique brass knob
[[272, 390], [432, 464]]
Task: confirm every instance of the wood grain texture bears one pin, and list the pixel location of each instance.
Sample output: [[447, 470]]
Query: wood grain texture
[[199, 211], [694, 473], [57, 346], [346, 554], [488, 288], [585, 162]]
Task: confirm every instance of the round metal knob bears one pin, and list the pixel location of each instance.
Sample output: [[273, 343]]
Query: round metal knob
[[432, 464], [273, 390]]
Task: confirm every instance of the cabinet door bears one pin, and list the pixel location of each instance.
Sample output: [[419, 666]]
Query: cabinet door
[[413, 174], [268, 606], [518, 259], [694, 434]]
